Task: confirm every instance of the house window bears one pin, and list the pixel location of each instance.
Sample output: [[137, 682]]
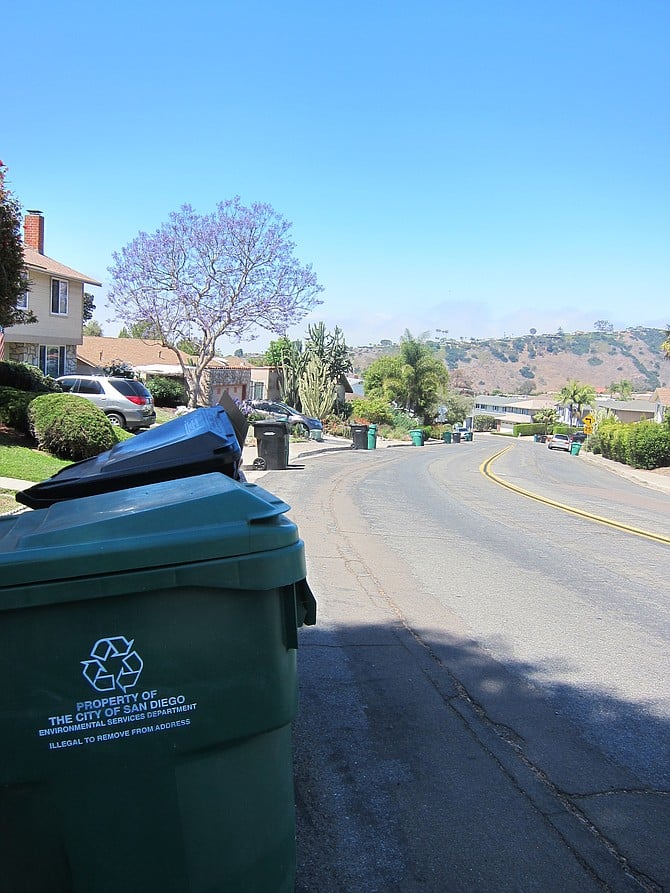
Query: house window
[[52, 360], [22, 301], [257, 390], [59, 289]]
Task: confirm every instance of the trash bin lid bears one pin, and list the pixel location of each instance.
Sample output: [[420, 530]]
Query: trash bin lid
[[195, 443], [178, 522], [269, 424]]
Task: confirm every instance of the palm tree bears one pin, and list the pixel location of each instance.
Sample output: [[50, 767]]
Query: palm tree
[[545, 417], [568, 396], [586, 397], [623, 388], [576, 396], [424, 377]]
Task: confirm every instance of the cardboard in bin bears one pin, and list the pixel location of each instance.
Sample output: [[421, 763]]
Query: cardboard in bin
[[196, 443]]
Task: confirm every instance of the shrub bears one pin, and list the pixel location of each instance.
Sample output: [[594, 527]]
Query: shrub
[[485, 423], [372, 409], [336, 426], [649, 445], [14, 405], [640, 444], [70, 427], [166, 391], [25, 377]]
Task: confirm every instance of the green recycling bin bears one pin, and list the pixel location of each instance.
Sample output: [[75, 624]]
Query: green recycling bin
[[575, 447], [150, 637], [446, 436], [417, 436], [372, 437]]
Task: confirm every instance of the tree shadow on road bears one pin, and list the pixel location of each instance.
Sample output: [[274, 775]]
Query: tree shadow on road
[[423, 764]]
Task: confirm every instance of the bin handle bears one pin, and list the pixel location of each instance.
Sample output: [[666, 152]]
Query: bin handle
[[306, 603]]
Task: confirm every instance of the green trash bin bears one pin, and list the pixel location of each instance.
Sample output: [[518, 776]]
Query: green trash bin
[[417, 436], [575, 447], [150, 637], [372, 437], [446, 436], [466, 436]]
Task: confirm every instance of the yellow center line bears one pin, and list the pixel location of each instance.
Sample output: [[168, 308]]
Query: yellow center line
[[485, 469]]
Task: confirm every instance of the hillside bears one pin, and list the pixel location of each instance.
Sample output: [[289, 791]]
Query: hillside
[[544, 363]]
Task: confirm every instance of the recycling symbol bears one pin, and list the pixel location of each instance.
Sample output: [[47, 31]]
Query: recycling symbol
[[113, 664]]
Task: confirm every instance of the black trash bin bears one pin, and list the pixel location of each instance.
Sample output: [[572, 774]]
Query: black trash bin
[[272, 437], [456, 436], [359, 435], [195, 443]]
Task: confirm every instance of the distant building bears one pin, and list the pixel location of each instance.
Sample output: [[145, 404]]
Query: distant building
[[510, 411]]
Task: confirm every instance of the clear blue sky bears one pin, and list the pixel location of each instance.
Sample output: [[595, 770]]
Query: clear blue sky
[[480, 167]]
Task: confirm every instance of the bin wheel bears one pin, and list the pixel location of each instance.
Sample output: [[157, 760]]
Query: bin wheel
[[259, 464]]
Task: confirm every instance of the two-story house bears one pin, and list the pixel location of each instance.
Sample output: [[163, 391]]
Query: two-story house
[[56, 297]]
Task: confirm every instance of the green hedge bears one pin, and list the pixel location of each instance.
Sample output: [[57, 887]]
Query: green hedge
[[526, 429], [24, 377], [639, 444], [166, 391], [70, 427], [14, 408]]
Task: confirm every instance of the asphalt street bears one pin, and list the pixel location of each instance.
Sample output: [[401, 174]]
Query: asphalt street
[[430, 758]]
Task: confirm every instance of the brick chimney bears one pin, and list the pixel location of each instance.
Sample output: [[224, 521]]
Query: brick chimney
[[33, 231]]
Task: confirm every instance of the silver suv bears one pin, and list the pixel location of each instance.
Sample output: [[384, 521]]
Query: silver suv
[[560, 442], [125, 402]]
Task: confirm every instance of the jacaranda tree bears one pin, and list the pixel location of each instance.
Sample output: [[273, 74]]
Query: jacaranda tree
[[199, 277]]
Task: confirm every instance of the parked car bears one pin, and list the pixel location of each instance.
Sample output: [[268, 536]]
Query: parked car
[[125, 401], [560, 442], [297, 420], [579, 437]]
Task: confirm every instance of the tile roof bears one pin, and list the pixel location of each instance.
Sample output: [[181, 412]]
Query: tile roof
[[101, 351], [629, 405], [36, 261], [662, 395]]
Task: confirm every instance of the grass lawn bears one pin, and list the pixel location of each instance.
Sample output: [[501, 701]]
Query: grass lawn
[[24, 463], [19, 459], [27, 464]]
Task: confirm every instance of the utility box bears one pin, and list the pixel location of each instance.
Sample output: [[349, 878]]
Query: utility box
[[148, 644]]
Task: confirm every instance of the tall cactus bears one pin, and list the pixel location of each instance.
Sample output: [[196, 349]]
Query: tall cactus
[[317, 392], [289, 365]]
